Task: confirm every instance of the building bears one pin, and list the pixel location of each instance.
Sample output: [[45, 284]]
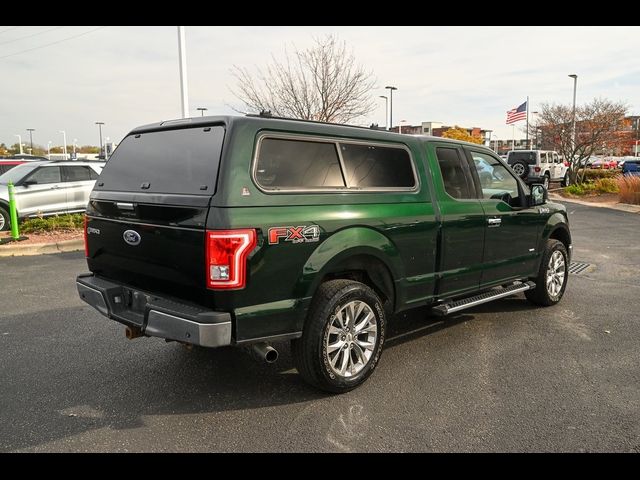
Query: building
[[437, 129]]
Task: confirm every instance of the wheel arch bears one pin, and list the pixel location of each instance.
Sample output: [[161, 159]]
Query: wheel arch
[[371, 258]]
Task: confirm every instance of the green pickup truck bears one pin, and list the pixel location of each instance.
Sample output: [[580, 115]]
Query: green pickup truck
[[251, 230]]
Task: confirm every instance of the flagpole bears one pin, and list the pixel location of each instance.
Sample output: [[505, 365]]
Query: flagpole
[[527, 131], [513, 135]]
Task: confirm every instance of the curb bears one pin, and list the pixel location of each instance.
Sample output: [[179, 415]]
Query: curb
[[42, 248], [622, 207]]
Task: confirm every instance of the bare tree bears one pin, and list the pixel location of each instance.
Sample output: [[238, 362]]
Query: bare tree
[[322, 83], [598, 127]]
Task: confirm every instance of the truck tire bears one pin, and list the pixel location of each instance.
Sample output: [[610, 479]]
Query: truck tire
[[342, 338], [565, 180], [553, 275], [521, 169], [4, 220], [546, 181]]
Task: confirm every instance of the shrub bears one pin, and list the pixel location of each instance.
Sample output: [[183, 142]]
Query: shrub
[[629, 189], [606, 185], [580, 189], [591, 174], [57, 223]]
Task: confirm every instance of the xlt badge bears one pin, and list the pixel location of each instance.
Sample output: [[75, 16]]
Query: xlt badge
[[294, 234], [132, 237]]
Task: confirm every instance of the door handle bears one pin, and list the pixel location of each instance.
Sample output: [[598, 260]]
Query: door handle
[[494, 222]]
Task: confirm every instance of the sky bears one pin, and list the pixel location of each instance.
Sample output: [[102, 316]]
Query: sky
[[57, 78]]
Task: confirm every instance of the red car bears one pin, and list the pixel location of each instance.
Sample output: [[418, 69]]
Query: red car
[[8, 164]]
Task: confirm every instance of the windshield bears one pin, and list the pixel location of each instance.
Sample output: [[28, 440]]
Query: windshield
[[17, 173]]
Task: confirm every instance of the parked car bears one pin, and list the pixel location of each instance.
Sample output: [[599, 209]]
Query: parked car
[[631, 167], [272, 229], [604, 163], [6, 165], [623, 160], [538, 166], [48, 188]]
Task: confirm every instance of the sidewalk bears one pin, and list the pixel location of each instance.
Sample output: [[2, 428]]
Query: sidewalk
[[623, 207], [17, 250]]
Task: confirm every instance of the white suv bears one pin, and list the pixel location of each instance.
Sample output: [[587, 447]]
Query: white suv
[[538, 166], [48, 188]]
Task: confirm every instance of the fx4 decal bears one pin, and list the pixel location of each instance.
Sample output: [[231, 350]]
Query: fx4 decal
[[294, 234]]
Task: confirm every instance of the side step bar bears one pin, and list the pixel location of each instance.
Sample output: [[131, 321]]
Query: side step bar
[[451, 307]]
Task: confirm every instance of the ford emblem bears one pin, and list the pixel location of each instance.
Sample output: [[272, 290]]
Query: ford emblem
[[132, 237]]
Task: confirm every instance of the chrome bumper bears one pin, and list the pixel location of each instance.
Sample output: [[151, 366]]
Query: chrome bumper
[[155, 316]]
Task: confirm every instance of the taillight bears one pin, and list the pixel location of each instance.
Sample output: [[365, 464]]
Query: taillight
[[536, 169], [86, 243], [226, 257], [566, 164]]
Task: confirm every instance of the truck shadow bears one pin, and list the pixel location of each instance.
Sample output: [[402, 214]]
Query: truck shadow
[[67, 383]]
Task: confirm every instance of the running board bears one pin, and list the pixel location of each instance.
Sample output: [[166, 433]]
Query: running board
[[496, 293]]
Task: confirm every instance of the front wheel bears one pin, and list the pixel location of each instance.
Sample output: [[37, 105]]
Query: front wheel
[[4, 220], [565, 180], [546, 181], [552, 276], [343, 336]]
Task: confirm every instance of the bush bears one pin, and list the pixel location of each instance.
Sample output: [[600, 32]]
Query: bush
[[578, 189], [606, 185], [629, 189], [591, 175], [57, 223], [601, 185]]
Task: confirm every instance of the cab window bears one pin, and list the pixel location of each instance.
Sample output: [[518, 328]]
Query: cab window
[[495, 179]]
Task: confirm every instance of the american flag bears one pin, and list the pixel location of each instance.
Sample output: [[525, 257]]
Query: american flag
[[516, 114]]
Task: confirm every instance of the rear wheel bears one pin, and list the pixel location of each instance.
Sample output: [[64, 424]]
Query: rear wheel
[[343, 336], [4, 220], [565, 180], [552, 276], [546, 181]]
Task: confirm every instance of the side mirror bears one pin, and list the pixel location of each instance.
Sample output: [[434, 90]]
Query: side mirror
[[27, 183], [538, 195]]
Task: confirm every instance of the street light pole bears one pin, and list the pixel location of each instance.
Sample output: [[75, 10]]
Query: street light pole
[[31, 130], [184, 96], [19, 143], [573, 122], [100, 127], [391, 89], [74, 146], [386, 110], [202, 110], [64, 138], [49, 149]]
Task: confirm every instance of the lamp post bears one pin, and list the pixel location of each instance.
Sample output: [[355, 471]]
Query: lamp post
[[74, 147], [386, 110], [106, 154], [573, 115], [64, 138], [19, 142], [49, 150], [391, 89], [182, 58], [100, 128], [31, 130], [202, 110]]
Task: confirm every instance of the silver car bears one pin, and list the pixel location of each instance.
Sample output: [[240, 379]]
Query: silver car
[[48, 188]]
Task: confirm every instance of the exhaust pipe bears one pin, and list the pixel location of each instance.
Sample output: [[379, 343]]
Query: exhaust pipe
[[264, 352], [133, 332]]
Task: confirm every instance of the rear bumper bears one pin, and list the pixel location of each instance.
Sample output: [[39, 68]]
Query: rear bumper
[[155, 316]]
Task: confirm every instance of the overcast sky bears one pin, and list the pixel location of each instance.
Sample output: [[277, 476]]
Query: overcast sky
[[470, 76]]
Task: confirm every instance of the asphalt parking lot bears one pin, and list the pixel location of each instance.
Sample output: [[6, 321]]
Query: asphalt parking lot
[[504, 376]]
